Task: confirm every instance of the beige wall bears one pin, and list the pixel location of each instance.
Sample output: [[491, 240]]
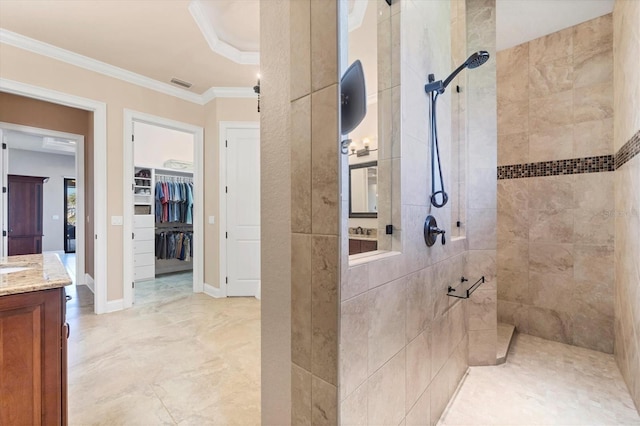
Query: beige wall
[[27, 67], [45, 115], [556, 233], [214, 112], [626, 51]]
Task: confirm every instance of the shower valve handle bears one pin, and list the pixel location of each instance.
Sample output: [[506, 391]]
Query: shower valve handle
[[435, 230]]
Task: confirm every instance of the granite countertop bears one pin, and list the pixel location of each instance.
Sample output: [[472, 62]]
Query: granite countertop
[[33, 272], [363, 237]]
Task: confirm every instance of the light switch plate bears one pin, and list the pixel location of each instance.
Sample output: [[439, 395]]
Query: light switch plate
[[55, 217], [212, 220], [116, 220]]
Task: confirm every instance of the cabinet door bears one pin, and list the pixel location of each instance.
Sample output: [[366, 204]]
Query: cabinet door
[[354, 246], [366, 246], [30, 358]]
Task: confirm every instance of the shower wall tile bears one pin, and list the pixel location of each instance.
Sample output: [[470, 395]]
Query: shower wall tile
[[552, 291], [482, 310], [593, 67], [324, 307], [593, 102], [386, 392], [513, 313], [547, 78], [551, 258], [324, 410], [513, 256], [551, 47], [324, 165], [301, 387], [418, 368], [593, 263], [324, 42], [315, 224], [420, 413], [301, 293], [595, 35], [551, 226], [516, 288], [551, 142], [513, 148], [593, 226], [354, 328], [300, 22], [593, 138], [556, 233], [550, 111], [353, 409], [482, 347], [513, 117], [387, 322], [301, 165], [550, 324], [514, 79]]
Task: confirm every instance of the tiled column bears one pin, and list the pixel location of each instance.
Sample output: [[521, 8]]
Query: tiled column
[[481, 199], [315, 209]]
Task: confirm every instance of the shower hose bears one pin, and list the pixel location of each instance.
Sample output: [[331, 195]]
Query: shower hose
[[435, 152]]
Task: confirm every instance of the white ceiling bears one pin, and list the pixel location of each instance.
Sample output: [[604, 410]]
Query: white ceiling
[[519, 21], [31, 142], [214, 43]]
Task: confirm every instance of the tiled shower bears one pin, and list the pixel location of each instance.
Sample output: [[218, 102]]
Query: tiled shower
[[550, 217]]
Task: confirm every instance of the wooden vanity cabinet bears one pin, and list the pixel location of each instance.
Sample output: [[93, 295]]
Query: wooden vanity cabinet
[[362, 246], [33, 362]]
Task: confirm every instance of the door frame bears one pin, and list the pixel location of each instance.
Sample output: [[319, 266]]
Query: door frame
[[131, 116], [66, 209], [99, 110], [225, 126], [79, 172]]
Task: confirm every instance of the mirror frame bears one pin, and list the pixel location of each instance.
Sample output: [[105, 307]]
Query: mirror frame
[[370, 215]]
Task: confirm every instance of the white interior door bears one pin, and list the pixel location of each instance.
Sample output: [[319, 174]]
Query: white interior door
[[243, 211]]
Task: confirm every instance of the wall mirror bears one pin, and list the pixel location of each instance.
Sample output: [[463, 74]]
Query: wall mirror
[[363, 190]]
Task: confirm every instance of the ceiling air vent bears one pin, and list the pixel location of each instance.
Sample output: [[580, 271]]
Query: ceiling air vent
[[182, 83]]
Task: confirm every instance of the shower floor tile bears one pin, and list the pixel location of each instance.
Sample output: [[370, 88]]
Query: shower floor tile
[[544, 383]]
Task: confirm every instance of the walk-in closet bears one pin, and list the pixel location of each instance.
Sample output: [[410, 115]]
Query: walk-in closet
[[163, 222]]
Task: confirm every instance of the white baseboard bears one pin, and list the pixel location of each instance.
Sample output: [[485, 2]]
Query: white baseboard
[[115, 305], [259, 290], [212, 291], [88, 281]]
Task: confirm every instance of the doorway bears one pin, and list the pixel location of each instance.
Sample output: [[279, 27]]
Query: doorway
[[163, 204], [37, 164], [70, 209]]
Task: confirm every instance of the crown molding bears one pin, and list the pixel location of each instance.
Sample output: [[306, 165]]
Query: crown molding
[[218, 46], [227, 92], [81, 61]]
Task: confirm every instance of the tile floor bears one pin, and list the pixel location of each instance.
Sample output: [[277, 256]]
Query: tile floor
[[174, 358], [544, 383]]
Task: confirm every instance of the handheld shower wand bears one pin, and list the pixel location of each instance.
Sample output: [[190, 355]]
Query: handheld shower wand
[[434, 89]]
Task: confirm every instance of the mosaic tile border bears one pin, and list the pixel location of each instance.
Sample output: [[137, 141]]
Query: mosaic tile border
[[603, 163], [628, 150]]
